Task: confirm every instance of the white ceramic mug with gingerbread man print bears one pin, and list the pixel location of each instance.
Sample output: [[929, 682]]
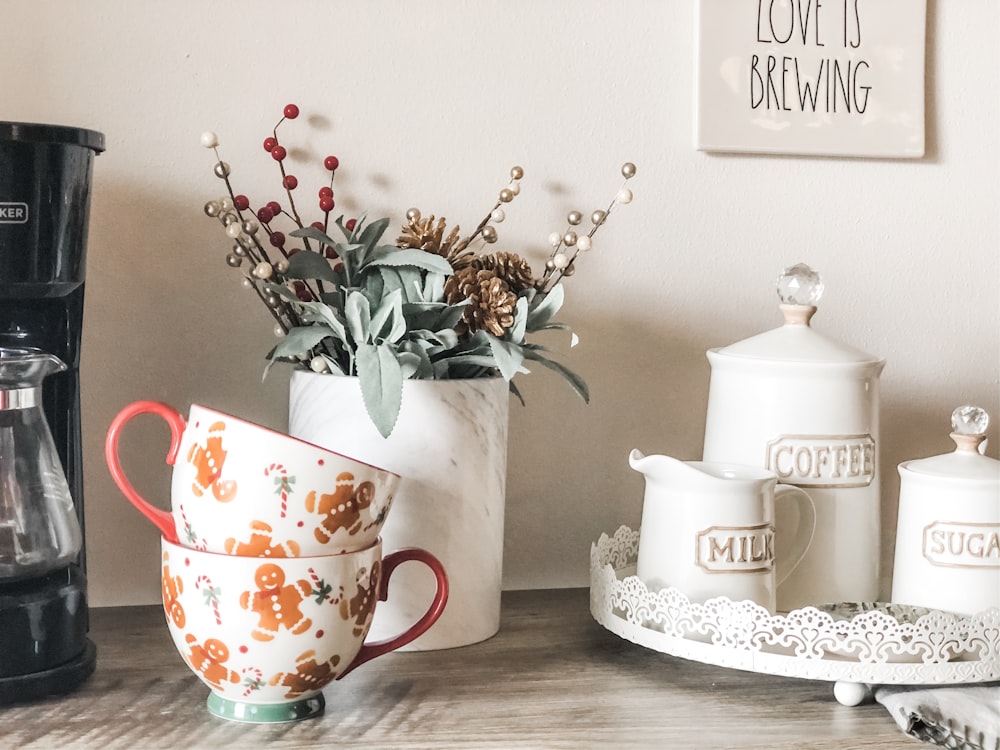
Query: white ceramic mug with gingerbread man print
[[268, 635], [239, 488]]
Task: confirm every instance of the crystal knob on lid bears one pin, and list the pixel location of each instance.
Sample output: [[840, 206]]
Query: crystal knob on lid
[[799, 289], [968, 425]]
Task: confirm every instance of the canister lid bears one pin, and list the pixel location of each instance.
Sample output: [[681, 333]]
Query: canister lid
[[968, 425], [31, 132], [799, 289]]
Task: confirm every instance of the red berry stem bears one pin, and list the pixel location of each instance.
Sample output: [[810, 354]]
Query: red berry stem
[[256, 252], [290, 113]]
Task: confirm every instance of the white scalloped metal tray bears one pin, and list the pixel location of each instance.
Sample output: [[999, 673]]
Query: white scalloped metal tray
[[855, 643]]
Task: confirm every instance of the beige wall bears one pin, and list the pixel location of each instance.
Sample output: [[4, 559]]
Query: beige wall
[[429, 104]]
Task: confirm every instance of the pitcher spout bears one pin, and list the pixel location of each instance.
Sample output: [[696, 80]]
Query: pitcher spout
[[657, 468]]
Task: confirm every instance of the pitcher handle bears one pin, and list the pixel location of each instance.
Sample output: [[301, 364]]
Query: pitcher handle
[[799, 544], [163, 520], [389, 563]]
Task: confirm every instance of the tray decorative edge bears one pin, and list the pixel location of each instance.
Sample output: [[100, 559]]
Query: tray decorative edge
[[872, 647]]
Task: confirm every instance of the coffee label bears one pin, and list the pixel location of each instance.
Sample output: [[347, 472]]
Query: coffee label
[[962, 545], [13, 213], [736, 549], [823, 460]]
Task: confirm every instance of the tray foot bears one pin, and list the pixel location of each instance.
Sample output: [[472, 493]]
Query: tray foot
[[852, 693]]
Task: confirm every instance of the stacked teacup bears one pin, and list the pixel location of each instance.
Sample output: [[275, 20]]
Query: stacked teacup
[[271, 561]]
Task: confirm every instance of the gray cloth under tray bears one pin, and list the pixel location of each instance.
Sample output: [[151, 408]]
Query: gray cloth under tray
[[959, 717]]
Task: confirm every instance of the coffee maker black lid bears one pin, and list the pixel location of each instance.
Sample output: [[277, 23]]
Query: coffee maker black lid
[[30, 132]]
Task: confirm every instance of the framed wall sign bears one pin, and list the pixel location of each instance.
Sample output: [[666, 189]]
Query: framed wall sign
[[824, 77]]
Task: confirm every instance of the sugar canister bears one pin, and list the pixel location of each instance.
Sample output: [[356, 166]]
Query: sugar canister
[[948, 529]]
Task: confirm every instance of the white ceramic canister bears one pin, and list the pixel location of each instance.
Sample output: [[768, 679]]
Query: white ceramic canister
[[806, 407], [948, 530]]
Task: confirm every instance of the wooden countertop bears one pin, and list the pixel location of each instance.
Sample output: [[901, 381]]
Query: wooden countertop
[[552, 678]]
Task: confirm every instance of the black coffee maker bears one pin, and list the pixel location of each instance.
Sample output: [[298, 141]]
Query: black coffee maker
[[45, 174]]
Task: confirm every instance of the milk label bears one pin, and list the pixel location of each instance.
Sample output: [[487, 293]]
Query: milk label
[[735, 549]]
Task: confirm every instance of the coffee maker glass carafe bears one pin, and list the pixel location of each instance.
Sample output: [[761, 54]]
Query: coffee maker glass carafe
[[39, 530]]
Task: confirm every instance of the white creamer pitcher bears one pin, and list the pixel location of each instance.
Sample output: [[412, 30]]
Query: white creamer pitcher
[[806, 407], [948, 530], [708, 529]]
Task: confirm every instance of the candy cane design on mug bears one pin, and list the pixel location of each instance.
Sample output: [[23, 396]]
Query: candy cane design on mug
[[190, 535], [322, 590], [253, 679], [211, 593], [283, 482]]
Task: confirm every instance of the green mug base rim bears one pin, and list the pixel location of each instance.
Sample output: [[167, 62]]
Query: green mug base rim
[[265, 713]]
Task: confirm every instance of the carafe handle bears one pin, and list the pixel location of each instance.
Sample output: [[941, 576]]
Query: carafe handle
[[163, 520]]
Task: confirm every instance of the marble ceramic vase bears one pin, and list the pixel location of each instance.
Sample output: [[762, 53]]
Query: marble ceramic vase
[[450, 448]]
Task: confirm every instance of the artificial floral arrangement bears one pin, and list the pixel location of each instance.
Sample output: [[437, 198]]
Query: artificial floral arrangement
[[430, 305]]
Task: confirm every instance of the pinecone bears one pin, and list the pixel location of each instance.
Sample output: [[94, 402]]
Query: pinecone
[[510, 267], [491, 302], [425, 234]]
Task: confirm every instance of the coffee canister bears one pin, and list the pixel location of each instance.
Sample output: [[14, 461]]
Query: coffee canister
[[806, 407], [948, 530]]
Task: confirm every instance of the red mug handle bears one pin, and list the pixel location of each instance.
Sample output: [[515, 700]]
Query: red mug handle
[[389, 563], [163, 520]]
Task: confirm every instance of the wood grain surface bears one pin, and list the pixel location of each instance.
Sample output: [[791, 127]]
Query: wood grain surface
[[552, 678]]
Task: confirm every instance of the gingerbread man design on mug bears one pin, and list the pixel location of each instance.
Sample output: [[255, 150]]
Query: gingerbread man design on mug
[[209, 660], [171, 588], [361, 605], [341, 509], [308, 675], [260, 544], [277, 604], [209, 460]]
